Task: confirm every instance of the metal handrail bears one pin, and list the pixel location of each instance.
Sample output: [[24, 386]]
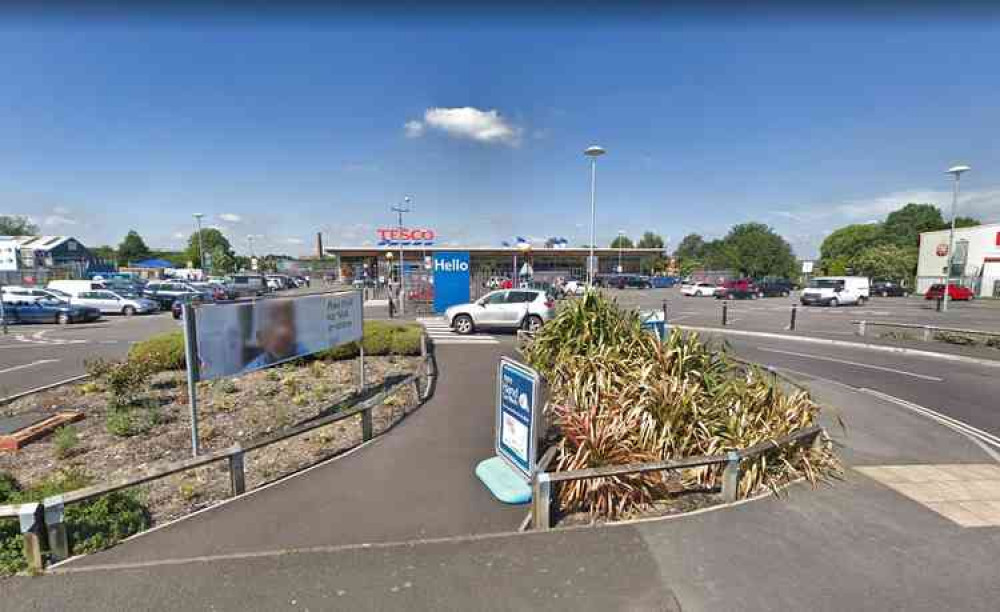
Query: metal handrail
[[953, 330]]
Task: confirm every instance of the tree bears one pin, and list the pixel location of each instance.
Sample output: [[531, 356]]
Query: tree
[[210, 238], [17, 225], [886, 261], [222, 261], [904, 226], [650, 240], [105, 252], [849, 241], [133, 248], [966, 222], [691, 247], [757, 251], [622, 242]]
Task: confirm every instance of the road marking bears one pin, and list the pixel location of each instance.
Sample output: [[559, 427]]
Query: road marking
[[852, 363], [943, 419], [441, 333], [28, 365]]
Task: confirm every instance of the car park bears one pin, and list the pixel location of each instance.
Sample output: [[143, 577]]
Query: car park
[[888, 289], [48, 311], [836, 291], [955, 292], [698, 289], [741, 289], [112, 302], [503, 309]]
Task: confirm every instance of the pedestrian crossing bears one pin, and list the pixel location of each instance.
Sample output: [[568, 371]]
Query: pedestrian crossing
[[440, 332]]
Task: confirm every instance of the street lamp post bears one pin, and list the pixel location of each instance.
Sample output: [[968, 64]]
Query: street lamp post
[[201, 246], [593, 152], [402, 287], [955, 171], [621, 239]]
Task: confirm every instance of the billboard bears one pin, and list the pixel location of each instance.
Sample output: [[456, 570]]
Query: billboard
[[243, 337], [9, 255], [451, 279], [517, 416]]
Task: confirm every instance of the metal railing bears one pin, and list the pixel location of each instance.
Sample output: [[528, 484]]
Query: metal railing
[[927, 331], [543, 483], [43, 522]]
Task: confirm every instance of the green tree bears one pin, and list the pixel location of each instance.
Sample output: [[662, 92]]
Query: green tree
[[886, 261], [903, 227], [757, 251], [223, 262], [966, 222], [623, 242], [17, 225], [849, 241], [650, 240], [133, 248], [210, 238], [691, 247], [104, 252]]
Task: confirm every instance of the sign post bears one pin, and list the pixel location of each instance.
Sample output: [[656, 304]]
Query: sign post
[[517, 416], [191, 357]]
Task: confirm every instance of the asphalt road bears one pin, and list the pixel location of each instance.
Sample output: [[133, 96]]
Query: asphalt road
[[35, 355]]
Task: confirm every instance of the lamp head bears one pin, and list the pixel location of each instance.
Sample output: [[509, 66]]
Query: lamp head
[[957, 171], [594, 151]]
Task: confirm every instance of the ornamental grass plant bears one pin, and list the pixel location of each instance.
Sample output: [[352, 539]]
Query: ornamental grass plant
[[620, 396]]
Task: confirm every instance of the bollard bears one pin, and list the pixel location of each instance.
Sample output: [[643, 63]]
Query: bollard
[[541, 501], [664, 312], [237, 472], [862, 327], [939, 301], [391, 308], [31, 518], [791, 324], [55, 526], [725, 313], [731, 477], [361, 367], [927, 333]]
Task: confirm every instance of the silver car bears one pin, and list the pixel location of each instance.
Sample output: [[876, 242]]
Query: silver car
[[113, 302], [507, 308]]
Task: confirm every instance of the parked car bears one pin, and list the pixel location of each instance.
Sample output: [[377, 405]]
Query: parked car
[[888, 289], [72, 287], [698, 289], [16, 293], [836, 291], [177, 310], [495, 282], [112, 302], [48, 311], [741, 289], [506, 308], [165, 292], [663, 282], [575, 287], [955, 292], [775, 288], [218, 291]]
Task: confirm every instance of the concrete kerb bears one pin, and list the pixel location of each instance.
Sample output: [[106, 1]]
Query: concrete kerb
[[856, 345]]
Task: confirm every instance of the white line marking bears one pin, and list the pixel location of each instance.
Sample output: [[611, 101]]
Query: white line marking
[[944, 419], [852, 363], [28, 365]]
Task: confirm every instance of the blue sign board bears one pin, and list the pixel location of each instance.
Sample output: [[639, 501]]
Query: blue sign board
[[451, 279], [517, 416]]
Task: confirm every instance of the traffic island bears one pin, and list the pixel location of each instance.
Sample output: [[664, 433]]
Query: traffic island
[[643, 427]]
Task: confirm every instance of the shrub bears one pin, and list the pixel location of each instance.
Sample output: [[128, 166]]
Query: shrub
[[380, 338], [97, 368], [8, 487], [160, 353], [127, 421], [65, 440], [125, 379]]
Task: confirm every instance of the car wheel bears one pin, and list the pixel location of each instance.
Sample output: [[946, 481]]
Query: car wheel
[[128, 311], [833, 303], [63, 319], [786, 293], [533, 323], [862, 301], [463, 324], [754, 296]]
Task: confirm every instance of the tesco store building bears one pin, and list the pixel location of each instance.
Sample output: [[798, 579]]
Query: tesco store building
[[976, 263]]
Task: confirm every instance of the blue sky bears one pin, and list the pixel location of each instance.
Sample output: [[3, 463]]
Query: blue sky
[[281, 128]]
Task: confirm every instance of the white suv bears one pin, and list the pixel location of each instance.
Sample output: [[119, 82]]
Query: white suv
[[508, 308], [698, 289]]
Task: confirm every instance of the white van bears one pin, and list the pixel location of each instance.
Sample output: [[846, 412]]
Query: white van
[[75, 287], [836, 291]]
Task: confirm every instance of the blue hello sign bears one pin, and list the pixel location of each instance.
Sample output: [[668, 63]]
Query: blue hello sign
[[451, 279]]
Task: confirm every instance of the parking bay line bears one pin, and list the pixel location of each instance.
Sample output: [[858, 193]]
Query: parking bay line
[[27, 365], [852, 363]]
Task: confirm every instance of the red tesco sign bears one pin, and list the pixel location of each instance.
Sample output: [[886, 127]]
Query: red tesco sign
[[403, 233]]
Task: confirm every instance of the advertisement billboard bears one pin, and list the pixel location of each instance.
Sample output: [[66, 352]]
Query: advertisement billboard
[[9, 255], [451, 279], [517, 413], [243, 337]]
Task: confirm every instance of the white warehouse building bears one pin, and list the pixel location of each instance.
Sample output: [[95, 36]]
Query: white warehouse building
[[976, 264]]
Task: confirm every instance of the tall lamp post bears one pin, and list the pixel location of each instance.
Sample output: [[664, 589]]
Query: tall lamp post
[[402, 287], [955, 171], [201, 246], [621, 239], [593, 152]]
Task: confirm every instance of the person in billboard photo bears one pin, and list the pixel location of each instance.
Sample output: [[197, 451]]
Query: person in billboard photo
[[276, 334]]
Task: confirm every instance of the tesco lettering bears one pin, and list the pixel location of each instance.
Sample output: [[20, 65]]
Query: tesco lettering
[[403, 233], [451, 265]]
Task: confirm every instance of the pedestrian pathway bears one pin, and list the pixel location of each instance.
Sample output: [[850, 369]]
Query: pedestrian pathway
[[442, 333]]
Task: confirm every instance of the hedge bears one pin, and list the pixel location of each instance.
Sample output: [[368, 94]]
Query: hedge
[[160, 353], [381, 338]]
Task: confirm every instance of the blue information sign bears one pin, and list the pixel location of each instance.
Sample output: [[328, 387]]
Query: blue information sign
[[451, 279], [517, 416]]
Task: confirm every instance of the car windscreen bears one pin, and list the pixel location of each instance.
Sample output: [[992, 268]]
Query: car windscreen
[[825, 283]]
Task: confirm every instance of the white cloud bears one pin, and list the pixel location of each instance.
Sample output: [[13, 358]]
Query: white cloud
[[294, 241], [231, 217], [413, 129], [468, 123], [49, 220], [179, 235]]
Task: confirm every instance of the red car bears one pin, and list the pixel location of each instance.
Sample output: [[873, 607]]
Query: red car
[[955, 292], [742, 289]]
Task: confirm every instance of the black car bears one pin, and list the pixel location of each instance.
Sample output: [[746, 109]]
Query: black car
[[888, 289], [624, 281], [775, 288], [176, 309]]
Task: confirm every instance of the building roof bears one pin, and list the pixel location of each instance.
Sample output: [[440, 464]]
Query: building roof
[[574, 251], [46, 243], [971, 228], [152, 263]]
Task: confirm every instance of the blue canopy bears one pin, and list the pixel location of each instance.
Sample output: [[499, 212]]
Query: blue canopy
[[153, 263]]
